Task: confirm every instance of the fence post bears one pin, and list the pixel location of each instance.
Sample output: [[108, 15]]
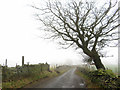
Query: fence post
[[28, 68], [47, 66], [6, 63], [22, 60]]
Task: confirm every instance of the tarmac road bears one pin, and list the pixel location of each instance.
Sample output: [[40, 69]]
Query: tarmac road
[[67, 80]]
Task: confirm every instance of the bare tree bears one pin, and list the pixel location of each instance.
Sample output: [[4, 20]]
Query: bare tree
[[81, 24]]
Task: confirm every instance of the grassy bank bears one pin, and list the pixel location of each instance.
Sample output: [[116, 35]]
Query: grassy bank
[[38, 76], [89, 84], [99, 78]]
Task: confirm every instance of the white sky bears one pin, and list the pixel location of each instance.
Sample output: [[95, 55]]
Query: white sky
[[19, 37]]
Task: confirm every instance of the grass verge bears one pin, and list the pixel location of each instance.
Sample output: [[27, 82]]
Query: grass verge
[[0, 85], [31, 79], [89, 84]]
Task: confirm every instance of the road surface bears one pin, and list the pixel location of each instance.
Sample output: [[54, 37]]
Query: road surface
[[67, 80]]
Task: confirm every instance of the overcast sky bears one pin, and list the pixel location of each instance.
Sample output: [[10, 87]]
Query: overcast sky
[[19, 36]]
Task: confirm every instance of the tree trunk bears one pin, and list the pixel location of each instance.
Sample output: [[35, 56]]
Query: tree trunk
[[98, 62], [96, 58]]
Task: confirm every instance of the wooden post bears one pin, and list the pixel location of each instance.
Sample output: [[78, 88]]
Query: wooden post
[[6, 63], [48, 67], [22, 60], [28, 68]]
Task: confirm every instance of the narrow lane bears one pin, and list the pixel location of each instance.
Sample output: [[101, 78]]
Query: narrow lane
[[67, 80]]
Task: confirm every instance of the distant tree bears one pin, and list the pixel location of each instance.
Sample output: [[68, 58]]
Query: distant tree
[[82, 25]]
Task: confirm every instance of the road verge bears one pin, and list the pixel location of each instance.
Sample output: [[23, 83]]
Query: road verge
[[23, 82]]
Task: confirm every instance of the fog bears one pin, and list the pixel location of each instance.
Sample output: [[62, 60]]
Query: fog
[[20, 36]]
